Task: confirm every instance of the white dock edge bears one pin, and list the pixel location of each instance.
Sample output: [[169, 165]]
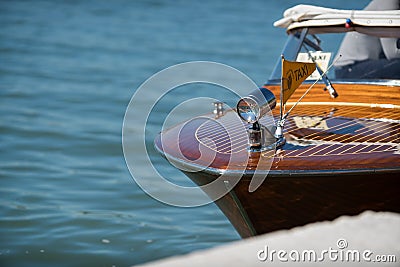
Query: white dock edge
[[369, 239]]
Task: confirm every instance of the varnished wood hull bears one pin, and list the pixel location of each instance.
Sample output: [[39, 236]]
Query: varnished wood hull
[[284, 202], [342, 157]]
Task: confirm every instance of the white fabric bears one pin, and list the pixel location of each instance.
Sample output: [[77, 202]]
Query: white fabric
[[314, 16], [358, 47], [390, 48]]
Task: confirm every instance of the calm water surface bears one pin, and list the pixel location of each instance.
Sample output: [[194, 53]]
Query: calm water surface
[[67, 72]]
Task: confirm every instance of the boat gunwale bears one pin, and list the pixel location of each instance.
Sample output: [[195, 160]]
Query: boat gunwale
[[274, 173], [379, 82]]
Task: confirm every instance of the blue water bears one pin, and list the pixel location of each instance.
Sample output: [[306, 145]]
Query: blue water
[[67, 72]]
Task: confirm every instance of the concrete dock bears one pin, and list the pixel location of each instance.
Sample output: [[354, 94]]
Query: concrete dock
[[369, 239]]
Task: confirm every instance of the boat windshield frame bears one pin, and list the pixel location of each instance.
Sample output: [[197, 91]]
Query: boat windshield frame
[[300, 37], [290, 51]]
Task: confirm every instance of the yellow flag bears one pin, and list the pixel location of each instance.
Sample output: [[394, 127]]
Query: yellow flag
[[293, 74]]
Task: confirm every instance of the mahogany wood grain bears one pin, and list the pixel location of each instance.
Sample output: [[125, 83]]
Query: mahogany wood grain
[[356, 137], [351, 93]]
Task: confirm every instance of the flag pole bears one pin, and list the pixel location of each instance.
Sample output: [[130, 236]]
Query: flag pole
[[279, 125], [293, 74]]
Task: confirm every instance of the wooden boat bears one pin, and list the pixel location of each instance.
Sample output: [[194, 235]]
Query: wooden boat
[[341, 156]]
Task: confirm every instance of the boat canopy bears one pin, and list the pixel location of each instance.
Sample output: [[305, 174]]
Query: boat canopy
[[328, 20]]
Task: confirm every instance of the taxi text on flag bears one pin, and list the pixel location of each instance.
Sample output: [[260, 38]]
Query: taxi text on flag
[[293, 74]]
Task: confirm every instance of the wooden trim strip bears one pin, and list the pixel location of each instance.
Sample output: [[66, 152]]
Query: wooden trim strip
[[349, 104]]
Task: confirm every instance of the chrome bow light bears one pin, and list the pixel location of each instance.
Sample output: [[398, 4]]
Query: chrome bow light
[[251, 109], [255, 105]]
